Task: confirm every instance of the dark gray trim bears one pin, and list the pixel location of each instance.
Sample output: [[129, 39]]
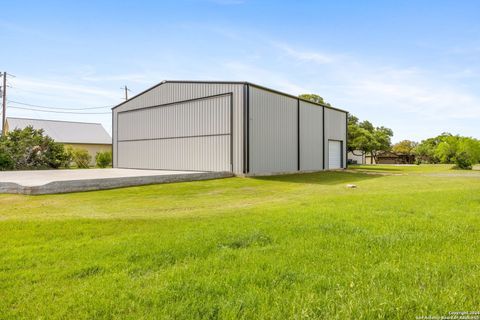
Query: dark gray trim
[[178, 102], [113, 147], [230, 82], [244, 114], [298, 134], [248, 128], [346, 141], [231, 132], [179, 137], [116, 138], [323, 137]]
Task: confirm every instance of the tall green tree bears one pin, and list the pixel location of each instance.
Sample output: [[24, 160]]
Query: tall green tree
[[314, 98], [405, 147], [366, 138]]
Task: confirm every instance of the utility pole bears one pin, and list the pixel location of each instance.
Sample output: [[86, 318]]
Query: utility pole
[[4, 101], [126, 91]]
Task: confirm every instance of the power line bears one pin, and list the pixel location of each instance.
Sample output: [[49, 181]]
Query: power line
[[54, 108], [51, 111]]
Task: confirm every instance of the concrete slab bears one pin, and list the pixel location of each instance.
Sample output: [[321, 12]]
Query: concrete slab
[[63, 181]]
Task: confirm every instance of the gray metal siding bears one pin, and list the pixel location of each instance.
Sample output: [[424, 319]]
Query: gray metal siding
[[273, 132], [199, 117], [209, 153], [175, 92], [335, 129], [311, 137]]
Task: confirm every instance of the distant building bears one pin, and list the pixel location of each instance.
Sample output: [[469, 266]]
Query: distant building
[[90, 136], [384, 157], [388, 157], [356, 157]]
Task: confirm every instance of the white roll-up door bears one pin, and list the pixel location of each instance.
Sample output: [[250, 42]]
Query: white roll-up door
[[334, 154]]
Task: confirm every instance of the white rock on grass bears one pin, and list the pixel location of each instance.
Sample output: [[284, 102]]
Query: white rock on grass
[[351, 186]]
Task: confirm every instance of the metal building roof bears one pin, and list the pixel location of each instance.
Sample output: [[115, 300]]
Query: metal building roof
[[65, 131], [230, 82]]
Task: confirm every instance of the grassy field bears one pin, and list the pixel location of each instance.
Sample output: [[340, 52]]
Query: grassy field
[[404, 243]]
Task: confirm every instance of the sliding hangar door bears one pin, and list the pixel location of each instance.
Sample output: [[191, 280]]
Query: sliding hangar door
[[238, 127], [177, 125], [193, 135]]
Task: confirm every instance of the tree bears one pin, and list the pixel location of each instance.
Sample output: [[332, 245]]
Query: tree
[[447, 148], [404, 147], [366, 138], [381, 141], [425, 150], [314, 98]]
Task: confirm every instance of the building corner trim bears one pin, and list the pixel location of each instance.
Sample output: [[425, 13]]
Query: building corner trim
[[323, 136], [298, 135]]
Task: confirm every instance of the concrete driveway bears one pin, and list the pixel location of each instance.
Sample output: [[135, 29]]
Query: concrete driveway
[[61, 181]]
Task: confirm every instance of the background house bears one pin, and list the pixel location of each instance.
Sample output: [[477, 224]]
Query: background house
[[90, 136], [388, 157]]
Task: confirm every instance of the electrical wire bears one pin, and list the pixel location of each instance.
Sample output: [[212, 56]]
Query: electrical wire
[[55, 108], [51, 111]]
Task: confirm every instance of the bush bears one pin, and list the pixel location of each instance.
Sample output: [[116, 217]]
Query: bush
[[68, 156], [28, 148], [6, 161], [81, 157], [103, 159], [463, 161]]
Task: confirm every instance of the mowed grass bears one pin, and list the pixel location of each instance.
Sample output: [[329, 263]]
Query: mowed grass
[[304, 246]]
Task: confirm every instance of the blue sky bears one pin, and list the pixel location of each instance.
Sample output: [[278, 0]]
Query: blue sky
[[413, 66]]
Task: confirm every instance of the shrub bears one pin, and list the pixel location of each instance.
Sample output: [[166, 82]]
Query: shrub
[[6, 161], [56, 156], [69, 151], [103, 159], [81, 157], [28, 148], [463, 161]]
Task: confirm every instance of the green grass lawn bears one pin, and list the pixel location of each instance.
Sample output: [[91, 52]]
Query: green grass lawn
[[404, 243]]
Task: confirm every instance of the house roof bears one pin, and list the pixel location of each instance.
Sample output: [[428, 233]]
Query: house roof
[[65, 131], [230, 82]]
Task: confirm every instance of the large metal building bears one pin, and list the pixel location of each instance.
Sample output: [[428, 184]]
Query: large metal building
[[239, 127]]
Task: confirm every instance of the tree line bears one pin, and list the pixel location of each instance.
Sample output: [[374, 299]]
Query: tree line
[[464, 152]]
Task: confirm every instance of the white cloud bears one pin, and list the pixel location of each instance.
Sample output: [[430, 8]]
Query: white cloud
[[62, 88], [305, 56]]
